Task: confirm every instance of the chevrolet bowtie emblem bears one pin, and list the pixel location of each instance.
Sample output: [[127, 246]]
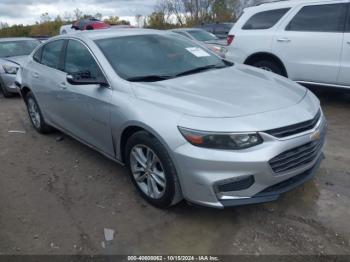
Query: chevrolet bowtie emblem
[[316, 135]]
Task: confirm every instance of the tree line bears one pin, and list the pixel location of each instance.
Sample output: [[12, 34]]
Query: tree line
[[188, 13], [48, 26], [167, 14]]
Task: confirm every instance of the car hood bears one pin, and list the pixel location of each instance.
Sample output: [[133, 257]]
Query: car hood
[[18, 60], [231, 92]]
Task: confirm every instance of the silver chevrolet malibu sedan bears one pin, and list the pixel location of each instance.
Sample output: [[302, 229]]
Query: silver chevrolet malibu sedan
[[187, 124]]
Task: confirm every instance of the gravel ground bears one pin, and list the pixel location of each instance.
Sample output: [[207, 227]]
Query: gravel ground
[[57, 197]]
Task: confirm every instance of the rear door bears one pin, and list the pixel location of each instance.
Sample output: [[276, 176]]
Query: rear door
[[310, 43], [45, 74], [344, 74]]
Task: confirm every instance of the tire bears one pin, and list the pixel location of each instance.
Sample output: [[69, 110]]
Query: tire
[[270, 66], [161, 172], [6, 93], [35, 115]]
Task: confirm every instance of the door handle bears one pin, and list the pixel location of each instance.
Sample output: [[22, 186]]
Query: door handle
[[36, 75], [283, 40]]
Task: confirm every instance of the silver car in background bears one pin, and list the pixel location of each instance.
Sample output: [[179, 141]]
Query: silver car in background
[[187, 124], [13, 53], [209, 40]]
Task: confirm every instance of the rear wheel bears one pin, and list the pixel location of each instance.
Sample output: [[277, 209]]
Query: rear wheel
[[35, 114], [152, 170], [270, 66]]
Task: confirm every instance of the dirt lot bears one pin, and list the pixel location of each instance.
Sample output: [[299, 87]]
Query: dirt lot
[[56, 197]]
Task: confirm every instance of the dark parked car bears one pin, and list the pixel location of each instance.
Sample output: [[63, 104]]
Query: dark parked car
[[220, 30]]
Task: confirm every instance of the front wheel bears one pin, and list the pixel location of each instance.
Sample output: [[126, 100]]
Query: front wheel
[[35, 115], [152, 170]]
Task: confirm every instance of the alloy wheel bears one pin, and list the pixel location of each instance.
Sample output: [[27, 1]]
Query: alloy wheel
[[34, 112], [148, 171]]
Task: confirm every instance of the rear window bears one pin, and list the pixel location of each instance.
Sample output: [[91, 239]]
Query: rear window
[[265, 20], [319, 18]]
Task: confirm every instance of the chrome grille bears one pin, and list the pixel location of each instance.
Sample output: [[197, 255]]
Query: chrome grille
[[295, 129], [296, 157]]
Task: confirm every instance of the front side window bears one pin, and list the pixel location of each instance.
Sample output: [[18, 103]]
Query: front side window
[[79, 60], [51, 54], [265, 20], [319, 18], [155, 55], [17, 48]]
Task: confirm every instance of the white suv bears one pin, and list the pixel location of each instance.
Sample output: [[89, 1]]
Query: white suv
[[305, 40]]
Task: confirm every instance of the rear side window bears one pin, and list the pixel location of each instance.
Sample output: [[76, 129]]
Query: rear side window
[[265, 20], [37, 55], [51, 54], [319, 18]]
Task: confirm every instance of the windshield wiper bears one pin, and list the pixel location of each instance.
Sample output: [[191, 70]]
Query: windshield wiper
[[149, 78], [200, 69]]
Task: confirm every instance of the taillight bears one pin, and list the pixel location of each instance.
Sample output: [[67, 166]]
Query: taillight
[[230, 39]]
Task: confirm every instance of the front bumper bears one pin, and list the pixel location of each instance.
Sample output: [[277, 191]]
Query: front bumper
[[8, 82], [273, 193], [201, 171]]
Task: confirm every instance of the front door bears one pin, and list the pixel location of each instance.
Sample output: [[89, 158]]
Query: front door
[[86, 108]]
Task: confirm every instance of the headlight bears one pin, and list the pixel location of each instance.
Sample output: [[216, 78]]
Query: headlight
[[9, 69], [227, 141]]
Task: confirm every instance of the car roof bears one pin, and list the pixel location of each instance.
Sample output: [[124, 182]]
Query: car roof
[[11, 39], [111, 33], [286, 4]]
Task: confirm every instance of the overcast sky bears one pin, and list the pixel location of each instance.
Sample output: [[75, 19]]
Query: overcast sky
[[29, 11]]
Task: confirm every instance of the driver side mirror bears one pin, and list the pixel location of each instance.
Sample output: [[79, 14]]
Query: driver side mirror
[[85, 78]]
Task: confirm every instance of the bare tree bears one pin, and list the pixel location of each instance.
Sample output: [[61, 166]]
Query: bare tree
[[3, 25], [138, 19], [78, 14], [45, 17], [98, 16], [194, 12]]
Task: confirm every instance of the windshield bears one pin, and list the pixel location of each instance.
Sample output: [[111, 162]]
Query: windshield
[[156, 56], [17, 48], [202, 36]]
